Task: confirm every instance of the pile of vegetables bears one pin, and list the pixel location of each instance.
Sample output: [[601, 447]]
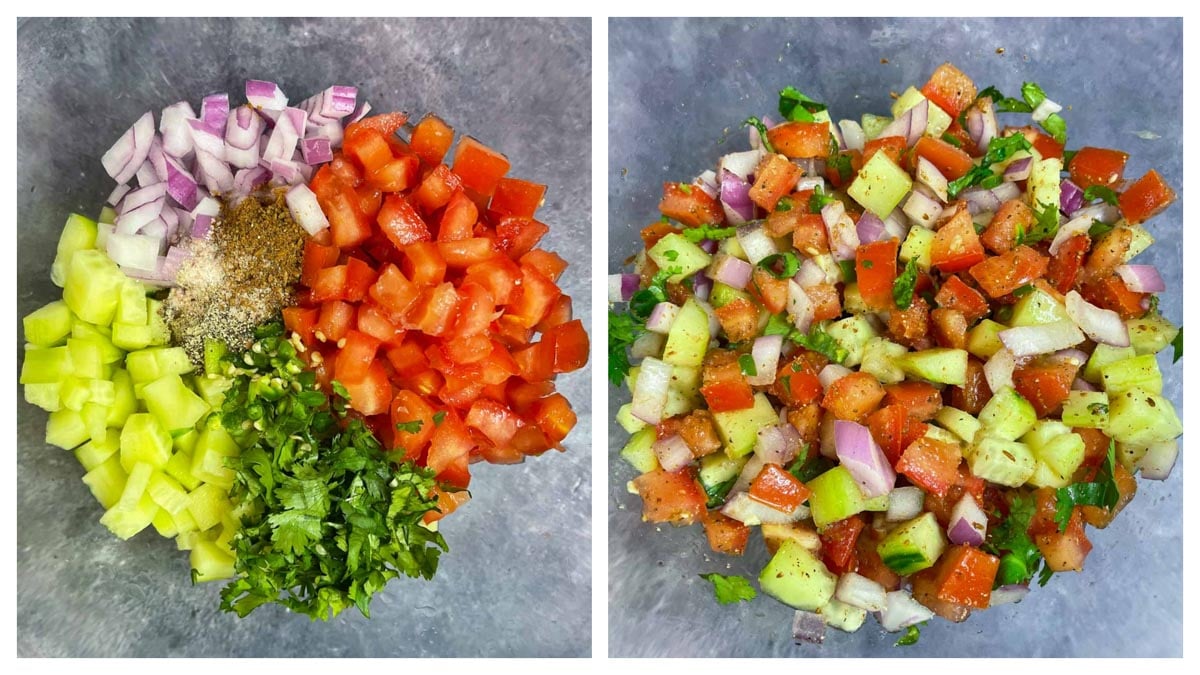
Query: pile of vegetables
[[914, 351], [313, 466]]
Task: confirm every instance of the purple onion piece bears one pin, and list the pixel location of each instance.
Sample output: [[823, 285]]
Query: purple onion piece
[[1071, 196], [808, 627]]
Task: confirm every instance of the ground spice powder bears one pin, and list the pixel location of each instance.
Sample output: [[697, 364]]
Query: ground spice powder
[[238, 278]]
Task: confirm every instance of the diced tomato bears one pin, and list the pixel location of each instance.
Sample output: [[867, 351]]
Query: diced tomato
[[777, 488], [393, 291], [1003, 274], [1097, 166], [675, 498], [854, 396], [894, 430], [738, 319], [839, 543], [535, 363], [956, 246], [431, 139], [555, 418], [1146, 198], [480, 167], [517, 236], [570, 346], [536, 297], [1064, 266], [1098, 516], [875, 265], [371, 395], [376, 322], [359, 278], [1112, 293], [335, 320], [448, 502], [354, 356], [797, 388], [1045, 383], [727, 395], [920, 400], [401, 222], [516, 197], [655, 231], [397, 175], [386, 124], [423, 264], [892, 146], [369, 148], [725, 535], [1045, 145], [975, 393], [407, 358], [433, 311], [800, 139], [952, 162], [316, 258], [436, 189], [475, 309], [775, 177], [498, 275], [950, 89], [1013, 218], [346, 222], [826, 300], [810, 236], [493, 420], [931, 465], [412, 417], [965, 576], [466, 252], [1065, 551], [301, 321], [690, 205], [458, 220], [450, 441], [956, 294], [551, 265]]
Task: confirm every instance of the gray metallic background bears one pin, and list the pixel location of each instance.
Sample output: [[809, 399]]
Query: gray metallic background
[[517, 579], [678, 86]]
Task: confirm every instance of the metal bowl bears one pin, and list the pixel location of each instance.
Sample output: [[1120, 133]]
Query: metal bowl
[[518, 576], [678, 92]]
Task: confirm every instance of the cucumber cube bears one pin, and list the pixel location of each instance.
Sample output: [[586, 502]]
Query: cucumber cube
[[843, 616], [167, 493], [148, 365], [79, 233], [96, 452], [66, 429], [207, 505], [880, 185], [209, 562], [126, 521], [213, 446], [185, 441], [212, 389], [797, 578], [124, 403], [1139, 241], [160, 334], [131, 307], [939, 365], [675, 251], [739, 428], [873, 124], [106, 481], [913, 546], [1103, 355], [1045, 183], [1058, 453], [74, 393], [718, 468], [939, 120], [881, 357], [1129, 456], [131, 337], [852, 334], [45, 396], [722, 295], [164, 524], [1007, 415], [1086, 409], [918, 245], [984, 339], [135, 486], [836, 496], [1001, 461], [852, 300], [86, 358], [688, 339], [1151, 333], [639, 451], [95, 417], [1139, 417], [46, 366], [1038, 308], [1140, 372], [93, 287], [47, 325], [179, 467], [144, 440], [184, 522], [960, 423], [175, 406]]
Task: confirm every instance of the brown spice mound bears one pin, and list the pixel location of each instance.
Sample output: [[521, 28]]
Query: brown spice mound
[[238, 278]]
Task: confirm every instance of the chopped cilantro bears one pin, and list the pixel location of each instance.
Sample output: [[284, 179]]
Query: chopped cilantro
[[999, 149], [1045, 225], [1033, 95], [746, 363], [1102, 492], [781, 265], [1099, 229], [762, 131], [1069, 155], [868, 264], [671, 255], [911, 636], [438, 417], [1177, 343], [818, 200], [1003, 103], [685, 188], [643, 301], [1019, 556], [1020, 238], [623, 329], [699, 234], [797, 107], [819, 341], [778, 324], [902, 289], [1102, 192], [718, 492], [413, 427], [1056, 126], [1098, 408], [842, 163], [1153, 308], [849, 272], [951, 140], [805, 468], [731, 589]]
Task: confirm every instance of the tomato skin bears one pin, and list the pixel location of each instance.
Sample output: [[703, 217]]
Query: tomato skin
[[431, 139], [1097, 166], [777, 488], [776, 176], [950, 89], [725, 535], [952, 162], [800, 139], [1146, 198], [920, 400], [479, 167], [965, 576], [1000, 235], [386, 124], [1003, 274], [956, 246], [1065, 265], [674, 498], [839, 543], [516, 197], [423, 264], [690, 205], [875, 265]]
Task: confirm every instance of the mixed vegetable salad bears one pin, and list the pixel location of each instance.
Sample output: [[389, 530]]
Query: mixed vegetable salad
[[916, 352], [285, 346]]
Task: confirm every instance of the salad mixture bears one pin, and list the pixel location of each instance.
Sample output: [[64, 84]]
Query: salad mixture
[[286, 343], [915, 352]]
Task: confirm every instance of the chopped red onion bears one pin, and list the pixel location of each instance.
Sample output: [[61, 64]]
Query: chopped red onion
[[1142, 278], [852, 135], [707, 182], [1019, 169], [998, 371], [902, 611], [206, 140], [127, 155], [1101, 325], [331, 104], [1105, 213], [831, 373], [981, 123], [213, 171], [1042, 339], [213, 111], [265, 95], [918, 121], [1069, 229], [360, 112], [134, 251], [132, 220], [246, 181], [708, 246], [731, 271], [1070, 196], [810, 274], [735, 198], [316, 150], [208, 206], [773, 445], [922, 209], [897, 127], [980, 200], [673, 453], [332, 132], [896, 226], [181, 185], [650, 392], [800, 307], [810, 183], [1009, 594], [103, 232], [621, 287], [766, 351], [287, 132], [843, 237], [1006, 192], [145, 195], [302, 203], [930, 176], [714, 324], [243, 129], [202, 226], [701, 286], [808, 627], [662, 317], [1076, 357], [968, 523], [905, 503], [755, 242], [740, 164], [1159, 459], [1081, 384], [146, 175], [647, 344], [863, 458], [176, 136], [749, 511], [118, 194], [858, 591]]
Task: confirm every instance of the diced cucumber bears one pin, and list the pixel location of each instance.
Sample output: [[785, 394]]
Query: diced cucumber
[[1007, 415], [96, 452], [106, 481], [78, 234], [212, 389], [75, 393], [160, 334], [1038, 308], [852, 300], [678, 404], [961, 423], [880, 358], [739, 428], [722, 295], [675, 251], [93, 287], [47, 325], [939, 120], [852, 334], [1139, 417], [639, 451], [144, 440], [836, 496], [46, 366], [131, 337], [1086, 409], [1001, 461], [1058, 452], [1129, 456], [880, 185], [209, 562], [1139, 241], [718, 468], [918, 245], [873, 124], [1044, 186], [1151, 333], [941, 435], [167, 493], [124, 403], [131, 307], [207, 505], [66, 429], [1103, 355], [628, 422], [686, 380], [913, 546], [939, 365], [184, 522], [102, 336], [164, 524], [796, 577], [1140, 371], [213, 446], [179, 467], [85, 358], [148, 365], [45, 396], [842, 616], [984, 339], [95, 418], [688, 340], [173, 403], [731, 246], [126, 521]]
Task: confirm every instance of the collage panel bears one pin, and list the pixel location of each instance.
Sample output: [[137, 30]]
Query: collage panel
[[882, 361], [321, 283]]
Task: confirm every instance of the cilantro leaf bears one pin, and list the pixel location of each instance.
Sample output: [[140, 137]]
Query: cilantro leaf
[[1019, 556], [1004, 103], [730, 589], [439, 416], [623, 329], [849, 271], [819, 199], [412, 427], [788, 264], [1045, 224], [999, 149], [902, 289], [1033, 94], [806, 468], [718, 492], [911, 636], [797, 107], [819, 341], [762, 132], [1056, 126], [1099, 229], [778, 324], [784, 204], [951, 140], [1102, 492], [1105, 193], [699, 234], [1022, 291], [1177, 343]]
